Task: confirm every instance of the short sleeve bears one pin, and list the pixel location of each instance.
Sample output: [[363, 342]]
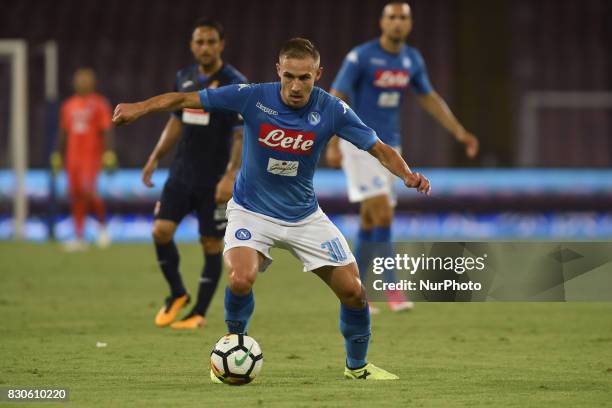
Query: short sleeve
[[227, 98], [420, 80], [348, 75], [348, 126]]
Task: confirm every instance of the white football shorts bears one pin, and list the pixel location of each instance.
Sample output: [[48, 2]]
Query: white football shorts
[[365, 176], [315, 240]]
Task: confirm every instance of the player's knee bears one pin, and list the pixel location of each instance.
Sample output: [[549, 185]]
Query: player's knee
[[354, 297], [241, 281], [211, 245], [382, 216], [162, 234]]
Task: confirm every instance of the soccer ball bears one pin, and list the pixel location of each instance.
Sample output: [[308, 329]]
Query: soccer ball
[[236, 359]]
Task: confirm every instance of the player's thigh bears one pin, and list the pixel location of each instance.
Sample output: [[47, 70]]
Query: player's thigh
[[175, 202], [344, 282], [245, 229], [318, 243], [89, 180], [377, 210]]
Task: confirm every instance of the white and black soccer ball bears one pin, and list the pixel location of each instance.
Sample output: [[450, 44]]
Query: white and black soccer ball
[[236, 359]]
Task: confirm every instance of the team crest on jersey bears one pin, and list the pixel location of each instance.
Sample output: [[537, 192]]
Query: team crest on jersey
[[286, 140], [391, 78], [314, 118], [243, 234], [187, 84]]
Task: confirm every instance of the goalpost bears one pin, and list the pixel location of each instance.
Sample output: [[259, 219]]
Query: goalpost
[[17, 52]]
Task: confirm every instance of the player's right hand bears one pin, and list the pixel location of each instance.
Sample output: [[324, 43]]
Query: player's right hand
[[56, 162], [333, 155], [126, 113], [418, 181], [147, 172]]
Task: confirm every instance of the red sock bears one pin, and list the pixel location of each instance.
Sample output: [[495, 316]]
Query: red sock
[[98, 208], [79, 209]]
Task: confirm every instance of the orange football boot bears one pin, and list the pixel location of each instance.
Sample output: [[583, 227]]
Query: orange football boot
[[167, 313]]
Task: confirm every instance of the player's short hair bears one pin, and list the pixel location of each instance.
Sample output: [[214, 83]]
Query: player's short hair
[[299, 48], [395, 3], [210, 23]]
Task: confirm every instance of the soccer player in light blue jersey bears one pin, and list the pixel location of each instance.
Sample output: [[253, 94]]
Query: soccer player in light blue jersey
[[374, 77], [286, 127]]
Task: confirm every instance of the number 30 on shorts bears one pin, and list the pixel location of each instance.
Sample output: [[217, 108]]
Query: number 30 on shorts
[[334, 250]]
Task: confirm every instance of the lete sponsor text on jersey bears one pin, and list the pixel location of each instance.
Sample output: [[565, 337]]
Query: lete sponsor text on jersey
[[285, 140], [391, 78]]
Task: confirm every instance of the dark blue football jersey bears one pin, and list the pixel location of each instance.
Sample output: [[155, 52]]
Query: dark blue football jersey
[[206, 139]]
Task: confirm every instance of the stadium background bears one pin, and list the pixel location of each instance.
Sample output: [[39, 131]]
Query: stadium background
[[85, 320], [483, 57]]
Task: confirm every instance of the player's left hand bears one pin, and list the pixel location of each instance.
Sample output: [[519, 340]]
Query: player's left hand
[[418, 181], [109, 161], [224, 189], [470, 141], [126, 113]]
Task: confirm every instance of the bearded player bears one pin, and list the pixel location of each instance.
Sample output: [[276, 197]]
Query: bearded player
[[201, 176], [374, 77], [287, 125]]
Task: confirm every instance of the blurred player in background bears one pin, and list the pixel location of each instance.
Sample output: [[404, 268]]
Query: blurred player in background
[[85, 144], [287, 125], [374, 77], [201, 176]]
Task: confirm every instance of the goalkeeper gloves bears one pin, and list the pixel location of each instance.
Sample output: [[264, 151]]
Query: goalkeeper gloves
[[56, 162], [109, 161]]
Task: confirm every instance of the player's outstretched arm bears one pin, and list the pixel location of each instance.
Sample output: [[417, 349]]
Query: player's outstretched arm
[[392, 160], [436, 107], [126, 113]]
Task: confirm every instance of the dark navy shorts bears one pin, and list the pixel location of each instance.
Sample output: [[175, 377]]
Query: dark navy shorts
[[178, 200]]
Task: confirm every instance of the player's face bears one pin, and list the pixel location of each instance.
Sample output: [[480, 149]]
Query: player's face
[[84, 81], [396, 22], [297, 77], [206, 45]]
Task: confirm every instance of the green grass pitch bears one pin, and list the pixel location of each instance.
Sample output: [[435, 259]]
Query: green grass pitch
[[55, 307]]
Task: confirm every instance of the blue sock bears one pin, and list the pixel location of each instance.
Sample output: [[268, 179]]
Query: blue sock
[[238, 311], [355, 327], [381, 236], [363, 253]]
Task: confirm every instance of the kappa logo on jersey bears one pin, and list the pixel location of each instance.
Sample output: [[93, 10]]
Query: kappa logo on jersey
[[242, 86], [285, 140], [391, 78], [243, 234], [344, 106]]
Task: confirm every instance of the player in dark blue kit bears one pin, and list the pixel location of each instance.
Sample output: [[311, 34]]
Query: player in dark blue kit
[[287, 125], [374, 77], [201, 176]]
